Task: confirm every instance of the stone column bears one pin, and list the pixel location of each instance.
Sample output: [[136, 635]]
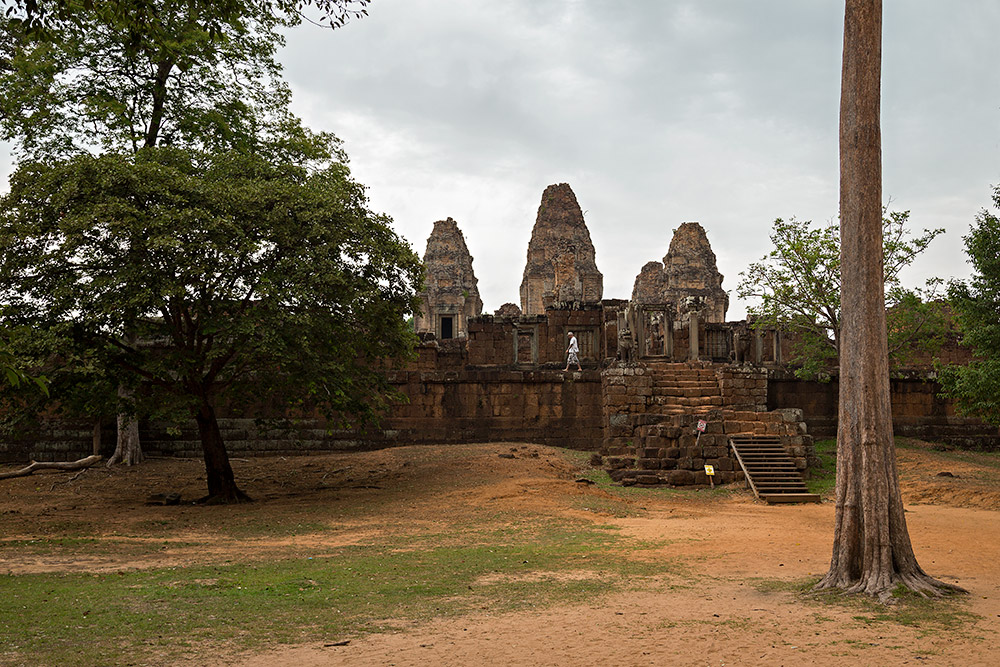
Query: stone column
[[693, 336]]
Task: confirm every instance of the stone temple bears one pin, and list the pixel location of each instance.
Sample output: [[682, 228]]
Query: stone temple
[[451, 292], [667, 385], [688, 279], [560, 266]]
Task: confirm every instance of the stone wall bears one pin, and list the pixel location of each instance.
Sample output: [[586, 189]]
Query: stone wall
[[545, 407], [539, 340], [917, 410], [672, 452], [481, 405]]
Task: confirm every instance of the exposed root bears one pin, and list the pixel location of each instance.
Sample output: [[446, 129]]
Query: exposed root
[[884, 589], [234, 498]]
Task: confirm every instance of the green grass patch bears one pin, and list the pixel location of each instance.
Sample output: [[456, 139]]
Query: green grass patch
[[600, 477], [158, 616], [73, 547], [909, 609], [257, 528], [823, 479]]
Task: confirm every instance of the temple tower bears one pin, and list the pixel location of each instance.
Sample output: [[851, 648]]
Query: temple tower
[[688, 270], [560, 264], [451, 292]]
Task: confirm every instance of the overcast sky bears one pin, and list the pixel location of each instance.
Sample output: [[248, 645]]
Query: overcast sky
[[656, 112]]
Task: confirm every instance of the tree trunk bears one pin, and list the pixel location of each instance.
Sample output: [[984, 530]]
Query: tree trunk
[[871, 549], [96, 438], [128, 449], [221, 482]]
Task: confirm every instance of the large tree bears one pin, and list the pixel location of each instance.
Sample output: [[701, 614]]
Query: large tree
[[798, 288], [976, 303], [215, 279], [872, 553], [82, 77]]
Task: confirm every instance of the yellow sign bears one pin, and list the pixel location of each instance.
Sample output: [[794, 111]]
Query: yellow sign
[[709, 470]]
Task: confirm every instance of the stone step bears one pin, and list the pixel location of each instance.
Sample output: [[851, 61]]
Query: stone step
[[685, 382], [688, 393]]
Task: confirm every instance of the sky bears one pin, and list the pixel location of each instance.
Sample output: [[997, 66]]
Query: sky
[[656, 112]]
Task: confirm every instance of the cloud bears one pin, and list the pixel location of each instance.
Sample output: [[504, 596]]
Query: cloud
[[656, 112]]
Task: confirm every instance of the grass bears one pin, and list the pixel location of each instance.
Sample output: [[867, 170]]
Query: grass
[[823, 479], [983, 459], [165, 614], [927, 615], [632, 494]]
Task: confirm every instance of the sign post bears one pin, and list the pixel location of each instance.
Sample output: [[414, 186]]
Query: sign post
[[710, 471], [702, 424]]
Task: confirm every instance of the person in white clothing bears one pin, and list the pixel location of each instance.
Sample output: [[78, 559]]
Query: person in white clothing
[[572, 354]]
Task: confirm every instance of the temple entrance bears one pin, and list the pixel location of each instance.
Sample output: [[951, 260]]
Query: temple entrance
[[447, 327]]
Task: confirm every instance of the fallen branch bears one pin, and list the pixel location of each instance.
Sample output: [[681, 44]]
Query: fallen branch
[[52, 465], [67, 481]]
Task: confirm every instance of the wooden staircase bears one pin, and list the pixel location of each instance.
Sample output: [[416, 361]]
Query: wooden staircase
[[769, 470]]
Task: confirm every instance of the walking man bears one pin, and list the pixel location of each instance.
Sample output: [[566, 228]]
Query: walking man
[[572, 353]]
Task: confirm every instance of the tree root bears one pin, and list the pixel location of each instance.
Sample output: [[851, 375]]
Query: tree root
[[225, 499], [883, 588]]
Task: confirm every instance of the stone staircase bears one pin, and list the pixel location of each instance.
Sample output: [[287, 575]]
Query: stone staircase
[[770, 471], [680, 388], [653, 411]]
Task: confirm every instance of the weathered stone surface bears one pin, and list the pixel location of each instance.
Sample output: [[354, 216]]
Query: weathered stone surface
[[651, 284], [560, 265], [508, 310], [451, 292], [688, 270]]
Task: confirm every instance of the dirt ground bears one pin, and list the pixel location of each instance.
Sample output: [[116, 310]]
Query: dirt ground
[[725, 542]]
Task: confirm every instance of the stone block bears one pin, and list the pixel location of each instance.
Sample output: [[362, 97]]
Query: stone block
[[620, 474], [649, 464], [680, 477], [672, 452], [668, 464], [725, 477], [648, 480]]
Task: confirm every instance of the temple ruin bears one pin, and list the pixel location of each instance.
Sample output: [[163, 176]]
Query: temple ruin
[[451, 293], [560, 266], [688, 279], [667, 386]]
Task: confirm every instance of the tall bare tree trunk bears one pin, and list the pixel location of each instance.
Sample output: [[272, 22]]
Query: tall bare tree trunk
[[871, 550], [128, 449]]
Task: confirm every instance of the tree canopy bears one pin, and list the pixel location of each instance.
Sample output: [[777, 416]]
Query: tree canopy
[[45, 18], [798, 286], [100, 85], [976, 303], [212, 277]]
